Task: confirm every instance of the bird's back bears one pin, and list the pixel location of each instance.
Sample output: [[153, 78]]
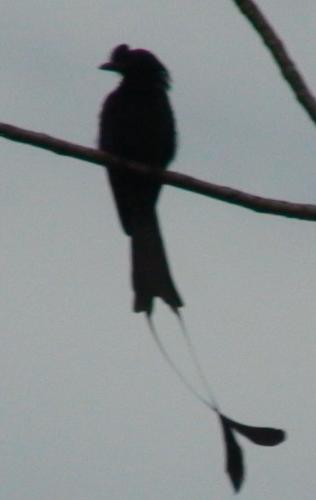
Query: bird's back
[[137, 124]]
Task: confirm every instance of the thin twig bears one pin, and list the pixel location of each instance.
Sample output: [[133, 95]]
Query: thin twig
[[279, 53], [186, 182]]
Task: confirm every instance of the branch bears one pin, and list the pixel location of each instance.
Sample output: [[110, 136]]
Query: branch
[[223, 193], [280, 55]]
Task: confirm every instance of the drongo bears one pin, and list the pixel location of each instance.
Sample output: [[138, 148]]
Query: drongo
[[137, 124]]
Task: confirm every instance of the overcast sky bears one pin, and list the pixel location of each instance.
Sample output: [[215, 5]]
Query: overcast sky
[[88, 408]]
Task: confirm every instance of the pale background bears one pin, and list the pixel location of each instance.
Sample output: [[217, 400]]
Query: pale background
[[88, 408]]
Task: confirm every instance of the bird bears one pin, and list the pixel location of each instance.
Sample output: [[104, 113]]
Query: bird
[[137, 123]]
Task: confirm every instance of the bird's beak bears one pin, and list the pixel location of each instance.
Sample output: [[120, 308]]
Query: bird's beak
[[109, 67]]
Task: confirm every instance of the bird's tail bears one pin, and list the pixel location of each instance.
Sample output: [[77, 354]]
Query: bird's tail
[[150, 271]]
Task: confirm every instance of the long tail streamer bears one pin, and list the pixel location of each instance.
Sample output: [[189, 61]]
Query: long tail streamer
[[264, 436]]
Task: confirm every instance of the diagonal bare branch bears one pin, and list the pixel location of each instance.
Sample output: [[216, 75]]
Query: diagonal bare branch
[[279, 53], [186, 182]]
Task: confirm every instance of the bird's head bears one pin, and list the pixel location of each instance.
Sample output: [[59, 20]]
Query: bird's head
[[137, 65]]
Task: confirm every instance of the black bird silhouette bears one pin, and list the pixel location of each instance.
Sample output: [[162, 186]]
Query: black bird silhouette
[[137, 123]]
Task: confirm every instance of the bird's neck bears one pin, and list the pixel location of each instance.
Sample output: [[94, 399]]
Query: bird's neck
[[145, 84]]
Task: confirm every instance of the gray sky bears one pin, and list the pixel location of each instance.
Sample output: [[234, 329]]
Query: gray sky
[[89, 410]]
